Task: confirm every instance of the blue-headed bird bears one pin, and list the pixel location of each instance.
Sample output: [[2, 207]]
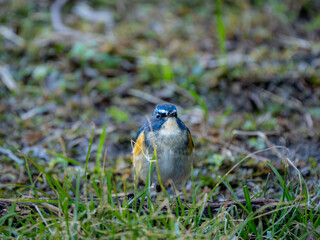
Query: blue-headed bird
[[166, 133]]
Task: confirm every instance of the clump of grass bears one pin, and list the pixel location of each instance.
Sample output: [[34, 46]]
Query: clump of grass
[[156, 68], [103, 213]]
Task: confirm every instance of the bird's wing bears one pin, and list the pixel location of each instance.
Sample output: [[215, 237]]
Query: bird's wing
[[191, 145], [138, 146], [140, 131]]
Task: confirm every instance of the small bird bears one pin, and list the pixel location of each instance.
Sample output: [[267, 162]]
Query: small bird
[[172, 140]]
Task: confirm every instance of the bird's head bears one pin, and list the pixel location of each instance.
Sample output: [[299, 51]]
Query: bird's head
[[164, 111]]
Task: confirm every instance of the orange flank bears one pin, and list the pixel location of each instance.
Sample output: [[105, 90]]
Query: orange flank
[[138, 147], [190, 142]]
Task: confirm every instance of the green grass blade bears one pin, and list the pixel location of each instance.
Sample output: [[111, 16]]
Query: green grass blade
[[202, 207], [31, 180], [86, 170], [5, 217], [251, 223], [69, 160], [282, 183], [247, 197], [221, 30], [77, 198], [200, 101], [100, 147], [266, 186], [96, 188]]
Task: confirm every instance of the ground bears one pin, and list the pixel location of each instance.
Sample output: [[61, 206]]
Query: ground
[[245, 77]]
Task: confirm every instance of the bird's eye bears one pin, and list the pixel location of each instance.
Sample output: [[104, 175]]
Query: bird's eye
[[158, 115]]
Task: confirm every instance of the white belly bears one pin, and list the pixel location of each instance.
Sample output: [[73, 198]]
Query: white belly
[[173, 154]]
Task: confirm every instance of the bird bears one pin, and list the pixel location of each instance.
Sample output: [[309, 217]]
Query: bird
[[165, 132]]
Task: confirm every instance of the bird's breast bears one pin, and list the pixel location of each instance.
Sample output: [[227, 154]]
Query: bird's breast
[[169, 136]]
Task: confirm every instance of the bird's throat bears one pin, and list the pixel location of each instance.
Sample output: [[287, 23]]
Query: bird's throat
[[170, 126]]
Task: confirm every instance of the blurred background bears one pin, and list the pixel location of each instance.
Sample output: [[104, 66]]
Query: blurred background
[[244, 75]]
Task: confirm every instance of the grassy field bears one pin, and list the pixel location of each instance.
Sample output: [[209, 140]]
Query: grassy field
[[77, 80]]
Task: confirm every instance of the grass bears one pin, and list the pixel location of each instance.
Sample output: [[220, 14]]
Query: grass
[[83, 203], [103, 215], [221, 29]]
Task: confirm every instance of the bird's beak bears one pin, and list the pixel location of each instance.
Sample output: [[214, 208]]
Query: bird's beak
[[171, 114]]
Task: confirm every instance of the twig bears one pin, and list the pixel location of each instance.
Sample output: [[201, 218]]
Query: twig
[[253, 133], [7, 78], [58, 24], [10, 35], [273, 148], [258, 203], [146, 96], [262, 206], [291, 103], [63, 30], [44, 220], [294, 41], [56, 19], [37, 110], [231, 147], [244, 151], [11, 155], [84, 11]]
